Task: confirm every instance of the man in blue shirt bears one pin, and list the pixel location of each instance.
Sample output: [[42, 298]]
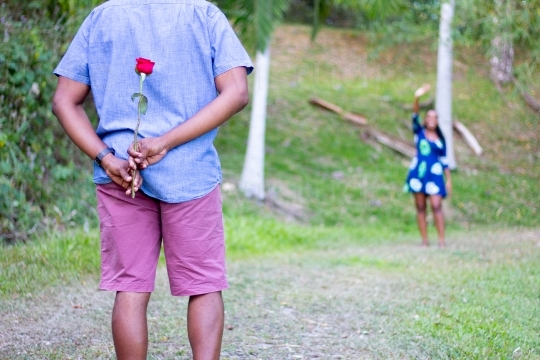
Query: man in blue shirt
[[199, 81]]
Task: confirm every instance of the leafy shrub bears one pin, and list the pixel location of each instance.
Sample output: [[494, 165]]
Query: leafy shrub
[[53, 9], [39, 167]]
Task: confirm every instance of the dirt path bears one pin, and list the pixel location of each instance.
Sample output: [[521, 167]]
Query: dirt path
[[339, 303]]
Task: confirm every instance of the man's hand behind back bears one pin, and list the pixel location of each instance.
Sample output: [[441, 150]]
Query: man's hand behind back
[[151, 150]]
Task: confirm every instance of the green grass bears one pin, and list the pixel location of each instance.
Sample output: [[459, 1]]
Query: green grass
[[67, 257], [486, 314], [477, 307], [476, 300], [53, 260]]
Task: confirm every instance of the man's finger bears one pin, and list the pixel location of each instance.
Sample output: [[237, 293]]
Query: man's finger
[[132, 164], [124, 175], [131, 150], [138, 180]]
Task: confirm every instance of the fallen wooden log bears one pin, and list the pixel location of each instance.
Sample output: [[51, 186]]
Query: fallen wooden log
[[461, 130], [355, 118], [468, 137], [392, 142], [349, 116], [326, 105], [531, 101]]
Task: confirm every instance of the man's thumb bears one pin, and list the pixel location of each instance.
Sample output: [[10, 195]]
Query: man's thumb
[[125, 175]]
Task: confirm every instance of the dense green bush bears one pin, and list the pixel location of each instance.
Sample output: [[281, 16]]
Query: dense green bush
[[53, 9], [38, 164]]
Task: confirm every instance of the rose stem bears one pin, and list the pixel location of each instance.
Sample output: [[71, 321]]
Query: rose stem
[[135, 135]]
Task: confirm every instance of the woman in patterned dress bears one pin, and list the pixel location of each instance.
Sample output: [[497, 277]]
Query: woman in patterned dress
[[429, 176]]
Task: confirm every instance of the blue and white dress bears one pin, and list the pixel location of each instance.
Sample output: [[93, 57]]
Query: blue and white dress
[[426, 172]]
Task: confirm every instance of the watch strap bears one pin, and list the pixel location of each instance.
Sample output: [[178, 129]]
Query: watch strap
[[102, 154]]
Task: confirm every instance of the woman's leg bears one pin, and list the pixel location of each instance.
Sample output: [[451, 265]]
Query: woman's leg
[[436, 207], [420, 203]]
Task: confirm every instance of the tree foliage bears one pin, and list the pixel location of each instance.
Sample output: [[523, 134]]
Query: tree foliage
[[255, 20], [38, 163], [53, 9], [507, 22], [372, 9], [478, 20]]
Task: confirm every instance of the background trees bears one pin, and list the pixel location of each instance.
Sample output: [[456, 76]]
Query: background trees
[[443, 102], [255, 21], [500, 26], [37, 162]]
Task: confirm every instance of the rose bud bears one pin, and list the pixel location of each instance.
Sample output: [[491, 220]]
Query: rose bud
[[144, 66]]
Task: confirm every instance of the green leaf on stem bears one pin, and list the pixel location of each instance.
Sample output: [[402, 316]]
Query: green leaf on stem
[[134, 96], [143, 104]]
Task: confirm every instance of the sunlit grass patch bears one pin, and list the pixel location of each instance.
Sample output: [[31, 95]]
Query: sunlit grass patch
[[50, 261], [477, 301]]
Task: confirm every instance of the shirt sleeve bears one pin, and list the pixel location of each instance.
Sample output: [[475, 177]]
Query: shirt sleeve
[[74, 63], [416, 127], [227, 51]]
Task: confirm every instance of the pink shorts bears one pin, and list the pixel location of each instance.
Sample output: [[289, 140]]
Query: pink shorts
[[132, 231]]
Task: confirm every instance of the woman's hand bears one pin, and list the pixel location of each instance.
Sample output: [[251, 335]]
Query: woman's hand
[[448, 187], [151, 150], [119, 170], [422, 90]]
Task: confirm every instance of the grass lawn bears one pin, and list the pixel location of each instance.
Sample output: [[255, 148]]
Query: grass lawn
[[325, 291]]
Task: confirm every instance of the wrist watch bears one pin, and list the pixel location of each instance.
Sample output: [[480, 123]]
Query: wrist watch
[[102, 154]]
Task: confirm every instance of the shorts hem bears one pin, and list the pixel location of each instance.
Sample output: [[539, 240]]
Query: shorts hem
[[201, 290], [112, 286]]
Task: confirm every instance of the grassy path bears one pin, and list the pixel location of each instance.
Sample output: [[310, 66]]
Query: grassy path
[[476, 299]]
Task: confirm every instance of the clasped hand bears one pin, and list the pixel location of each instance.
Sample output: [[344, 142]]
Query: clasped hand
[[120, 171], [150, 151]]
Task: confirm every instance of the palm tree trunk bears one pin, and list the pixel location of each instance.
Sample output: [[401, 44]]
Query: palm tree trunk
[[502, 49], [444, 79], [252, 180]]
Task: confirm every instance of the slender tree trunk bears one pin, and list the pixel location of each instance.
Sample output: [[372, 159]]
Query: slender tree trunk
[[252, 180], [444, 79], [502, 49]]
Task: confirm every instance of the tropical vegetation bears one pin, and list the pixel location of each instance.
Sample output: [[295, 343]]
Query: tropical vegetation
[[44, 180]]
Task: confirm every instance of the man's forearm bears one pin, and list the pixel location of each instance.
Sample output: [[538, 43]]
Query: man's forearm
[[208, 118], [67, 105], [79, 129]]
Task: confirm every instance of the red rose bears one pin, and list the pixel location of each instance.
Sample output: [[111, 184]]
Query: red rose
[[144, 66]]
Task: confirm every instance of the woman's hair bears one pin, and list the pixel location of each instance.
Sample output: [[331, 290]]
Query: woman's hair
[[438, 129]]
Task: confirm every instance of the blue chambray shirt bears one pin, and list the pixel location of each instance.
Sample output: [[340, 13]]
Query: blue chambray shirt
[[191, 42]]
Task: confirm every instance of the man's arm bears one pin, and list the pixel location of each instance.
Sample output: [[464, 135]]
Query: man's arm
[[233, 97], [67, 106]]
